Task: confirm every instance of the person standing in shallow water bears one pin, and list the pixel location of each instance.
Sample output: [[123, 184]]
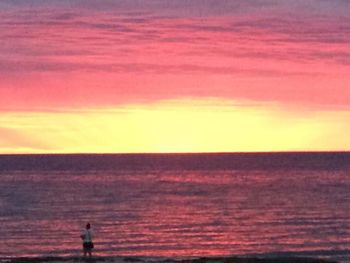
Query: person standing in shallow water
[[86, 236]]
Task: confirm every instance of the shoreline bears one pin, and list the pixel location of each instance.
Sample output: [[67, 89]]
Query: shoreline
[[130, 259]]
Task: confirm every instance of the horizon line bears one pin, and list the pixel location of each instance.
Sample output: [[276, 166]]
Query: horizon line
[[181, 153]]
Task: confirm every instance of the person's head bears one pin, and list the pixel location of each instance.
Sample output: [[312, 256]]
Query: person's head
[[88, 226]]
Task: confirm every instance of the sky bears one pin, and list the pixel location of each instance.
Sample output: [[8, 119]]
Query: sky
[[131, 76]]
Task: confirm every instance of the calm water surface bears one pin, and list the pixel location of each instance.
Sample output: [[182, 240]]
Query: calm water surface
[[176, 205]]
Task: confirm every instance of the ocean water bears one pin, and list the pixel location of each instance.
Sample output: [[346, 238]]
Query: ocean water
[[176, 205]]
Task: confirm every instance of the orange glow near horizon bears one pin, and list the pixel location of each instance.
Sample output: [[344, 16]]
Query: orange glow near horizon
[[172, 126]]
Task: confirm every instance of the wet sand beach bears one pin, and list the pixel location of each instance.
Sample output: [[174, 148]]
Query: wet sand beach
[[165, 260]]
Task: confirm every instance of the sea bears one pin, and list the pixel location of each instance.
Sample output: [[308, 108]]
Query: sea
[[177, 205]]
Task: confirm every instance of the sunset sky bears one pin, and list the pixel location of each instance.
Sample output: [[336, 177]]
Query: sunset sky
[[130, 76]]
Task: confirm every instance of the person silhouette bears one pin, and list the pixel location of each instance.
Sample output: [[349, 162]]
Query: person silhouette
[[86, 236]]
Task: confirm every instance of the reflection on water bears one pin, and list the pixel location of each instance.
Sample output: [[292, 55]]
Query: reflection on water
[[175, 212]]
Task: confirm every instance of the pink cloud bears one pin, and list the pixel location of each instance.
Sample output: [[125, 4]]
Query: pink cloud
[[68, 59]]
